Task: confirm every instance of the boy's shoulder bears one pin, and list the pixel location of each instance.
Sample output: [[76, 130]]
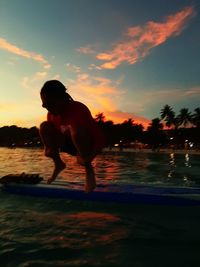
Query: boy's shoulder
[[78, 105]]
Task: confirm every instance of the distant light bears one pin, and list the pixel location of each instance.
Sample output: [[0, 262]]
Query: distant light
[[171, 138], [186, 140], [191, 144], [116, 144]]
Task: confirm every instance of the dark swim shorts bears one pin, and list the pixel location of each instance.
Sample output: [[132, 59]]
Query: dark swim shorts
[[69, 147]]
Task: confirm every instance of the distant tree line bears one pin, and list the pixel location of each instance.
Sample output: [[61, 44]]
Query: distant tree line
[[167, 130], [125, 132], [12, 136]]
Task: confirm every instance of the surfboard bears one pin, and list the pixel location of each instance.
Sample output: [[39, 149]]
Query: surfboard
[[116, 193]]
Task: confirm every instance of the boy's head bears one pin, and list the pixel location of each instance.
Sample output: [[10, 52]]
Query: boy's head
[[54, 96]]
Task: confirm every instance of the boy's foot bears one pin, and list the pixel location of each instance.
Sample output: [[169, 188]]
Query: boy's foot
[[58, 168]]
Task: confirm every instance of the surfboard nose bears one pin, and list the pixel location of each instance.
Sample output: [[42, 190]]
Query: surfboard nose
[[33, 178]]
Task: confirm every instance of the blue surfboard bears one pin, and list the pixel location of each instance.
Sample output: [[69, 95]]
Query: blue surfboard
[[117, 193]]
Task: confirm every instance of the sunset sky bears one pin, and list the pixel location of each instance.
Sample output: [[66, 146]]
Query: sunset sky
[[126, 58]]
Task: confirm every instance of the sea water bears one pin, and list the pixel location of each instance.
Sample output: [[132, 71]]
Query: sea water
[[54, 232]]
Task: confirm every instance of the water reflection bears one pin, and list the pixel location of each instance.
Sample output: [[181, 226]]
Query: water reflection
[[70, 236], [187, 160], [162, 168], [182, 171], [172, 165], [172, 160]]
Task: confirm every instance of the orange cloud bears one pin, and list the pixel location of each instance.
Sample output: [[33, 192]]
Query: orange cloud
[[34, 82], [73, 68], [85, 50], [120, 116], [5, 45], [141, 39], [192, 92], [97, 92], [101, 94]]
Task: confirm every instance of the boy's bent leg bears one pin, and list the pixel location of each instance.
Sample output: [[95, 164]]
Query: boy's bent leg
[[59, 166], [90, 182], [86, 148], [52, 141], [50, 138]]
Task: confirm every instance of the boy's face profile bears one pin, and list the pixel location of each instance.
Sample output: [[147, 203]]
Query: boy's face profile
[[52, 104]]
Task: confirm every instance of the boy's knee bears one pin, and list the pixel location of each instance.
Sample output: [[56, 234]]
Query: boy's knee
[[49, 152], [45, 125]]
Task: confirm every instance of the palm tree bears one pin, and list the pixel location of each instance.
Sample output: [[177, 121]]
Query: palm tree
[[184, 118], [100, 118], [168, 115], [196, 117], [155, 125], [165, 111], [155, 136], [129, 122]]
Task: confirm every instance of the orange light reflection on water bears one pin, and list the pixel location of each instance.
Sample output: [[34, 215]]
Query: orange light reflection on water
[[88, 229]]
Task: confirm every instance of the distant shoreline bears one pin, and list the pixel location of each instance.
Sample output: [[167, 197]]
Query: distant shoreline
[[146, 150], [132, 150]]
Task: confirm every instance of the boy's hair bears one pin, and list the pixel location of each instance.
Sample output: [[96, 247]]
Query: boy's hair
[[56, 89]]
